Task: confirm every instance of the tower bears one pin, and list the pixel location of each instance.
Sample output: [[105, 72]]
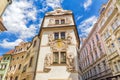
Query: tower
[[59, 41]]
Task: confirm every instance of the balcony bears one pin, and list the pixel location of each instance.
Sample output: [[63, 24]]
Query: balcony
[[113, 55]]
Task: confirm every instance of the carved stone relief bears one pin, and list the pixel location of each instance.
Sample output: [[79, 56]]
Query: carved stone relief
[[70, 62], [69, 38]]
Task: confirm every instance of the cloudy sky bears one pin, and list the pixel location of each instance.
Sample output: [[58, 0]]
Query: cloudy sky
[[23, 18]]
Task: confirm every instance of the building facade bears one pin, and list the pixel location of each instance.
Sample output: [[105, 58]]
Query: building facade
[[3, 6], [59, 42], [4, 64], [23, 62], [29, 66], [92, 57], [110, 33], [17, 62]]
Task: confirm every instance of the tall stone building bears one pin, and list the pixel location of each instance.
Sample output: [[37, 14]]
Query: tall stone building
[[110, 32], [93, 59], [59, 42]]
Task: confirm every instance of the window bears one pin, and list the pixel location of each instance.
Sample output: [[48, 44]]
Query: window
[[34, 43], [1, 76], [17, 57], [22, 56], [100, 48], [63, 57], [8, 58], [56, 21], [116, 67], [55, 57], [59, 57], [4, 58], [31, 60], [62, 35], [11, 78], [24, 68], [96, 54], [19, 67], [62, 21], [59, 35], [3, 66], [97, 37], [104, 65], [56, 36], [10, 68], [95, 72], [16, 78], [14, 67], [119, 40], [99, 68]]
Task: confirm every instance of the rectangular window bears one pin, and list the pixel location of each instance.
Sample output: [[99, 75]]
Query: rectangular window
[[24, 68], [34, 43], [31, 60], [56, 36], [62, 35], [62, 21], [63, 57], [56, 21], [55, 57], [104, 65]]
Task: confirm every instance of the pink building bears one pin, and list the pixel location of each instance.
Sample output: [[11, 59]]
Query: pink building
[[92, 57]]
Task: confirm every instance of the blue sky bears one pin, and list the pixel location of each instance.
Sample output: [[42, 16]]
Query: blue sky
[[23, 18]]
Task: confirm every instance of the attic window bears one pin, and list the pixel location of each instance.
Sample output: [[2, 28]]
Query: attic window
[[63, 21], [56, 21]]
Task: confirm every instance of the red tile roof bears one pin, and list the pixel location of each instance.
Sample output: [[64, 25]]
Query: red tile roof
[[0, 58], [10, 52]]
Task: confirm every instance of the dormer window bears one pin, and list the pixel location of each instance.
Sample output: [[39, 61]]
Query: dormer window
[[62, 21], [62, 35], [56, 35], [56, 21]]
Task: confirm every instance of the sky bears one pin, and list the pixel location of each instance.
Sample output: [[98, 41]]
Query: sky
[[23, 18]]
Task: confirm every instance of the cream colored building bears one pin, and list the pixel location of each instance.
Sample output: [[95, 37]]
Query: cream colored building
[[29, 65], [59, 42], [110, 32], [3, 6]]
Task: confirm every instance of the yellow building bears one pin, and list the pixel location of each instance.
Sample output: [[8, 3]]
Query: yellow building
[[17, 62], [110, 33], [23, 63]]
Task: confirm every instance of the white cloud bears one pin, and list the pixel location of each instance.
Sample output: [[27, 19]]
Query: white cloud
[[17, 16], [9, 45], [79, 17], [87, 4], [54, 3], [86, 25]]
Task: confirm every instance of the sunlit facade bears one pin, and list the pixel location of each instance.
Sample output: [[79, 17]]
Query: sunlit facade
[[92, 58], [110, 32]]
